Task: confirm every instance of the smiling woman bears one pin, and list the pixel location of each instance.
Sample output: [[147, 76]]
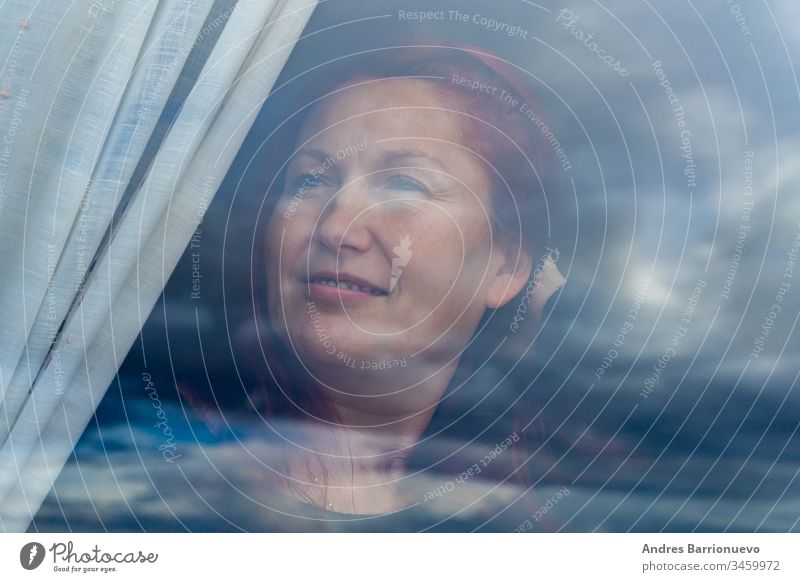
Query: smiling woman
[[408, 210]]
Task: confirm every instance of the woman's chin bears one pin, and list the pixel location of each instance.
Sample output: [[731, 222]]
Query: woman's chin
[[325, 350]]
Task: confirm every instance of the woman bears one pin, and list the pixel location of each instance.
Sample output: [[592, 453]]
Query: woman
[[408, 225]]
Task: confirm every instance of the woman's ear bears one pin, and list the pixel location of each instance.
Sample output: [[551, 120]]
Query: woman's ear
[[512, 272]]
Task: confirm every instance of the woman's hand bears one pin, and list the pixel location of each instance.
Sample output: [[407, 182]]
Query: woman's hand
[[548, 280]]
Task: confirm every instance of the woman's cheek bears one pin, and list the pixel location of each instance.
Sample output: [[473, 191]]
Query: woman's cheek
[[437, 267]]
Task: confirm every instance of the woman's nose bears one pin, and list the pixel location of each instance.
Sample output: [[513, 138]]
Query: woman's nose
[[345, 221]]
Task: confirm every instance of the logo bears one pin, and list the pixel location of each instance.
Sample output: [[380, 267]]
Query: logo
[[31, 555], [402, 256]]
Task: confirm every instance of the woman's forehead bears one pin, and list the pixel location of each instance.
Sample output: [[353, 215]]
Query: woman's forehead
[[389, 108]]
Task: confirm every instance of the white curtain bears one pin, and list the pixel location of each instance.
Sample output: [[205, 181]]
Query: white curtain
[[118, 121]]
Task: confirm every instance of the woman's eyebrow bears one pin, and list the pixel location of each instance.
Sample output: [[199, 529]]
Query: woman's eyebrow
[[315, 154], [395, 157]]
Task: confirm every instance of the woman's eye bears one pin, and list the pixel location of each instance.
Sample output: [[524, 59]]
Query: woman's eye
[[306, 181], [406, 183]]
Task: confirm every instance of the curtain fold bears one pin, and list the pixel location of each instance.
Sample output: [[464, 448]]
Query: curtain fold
[[120, 124], [116, 162]]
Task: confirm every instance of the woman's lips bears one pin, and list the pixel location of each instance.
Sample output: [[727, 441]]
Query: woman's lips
[[330, 287]]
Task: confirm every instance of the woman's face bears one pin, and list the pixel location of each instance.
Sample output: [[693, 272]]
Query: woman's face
[[381, 247]]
